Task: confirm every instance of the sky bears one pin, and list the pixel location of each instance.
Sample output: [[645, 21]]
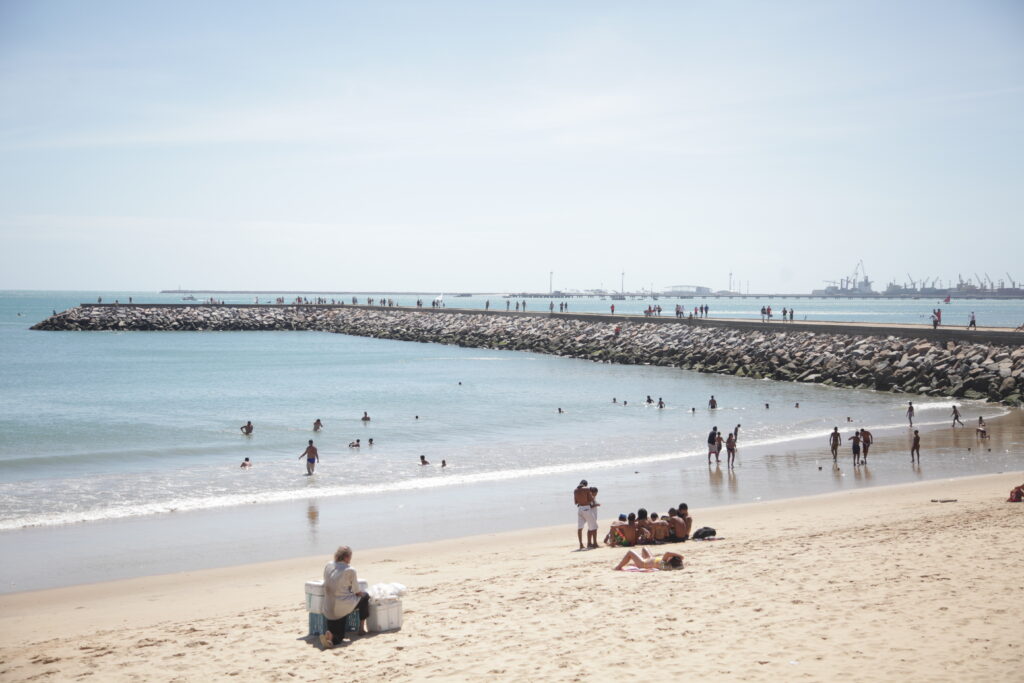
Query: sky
[[500, 146]]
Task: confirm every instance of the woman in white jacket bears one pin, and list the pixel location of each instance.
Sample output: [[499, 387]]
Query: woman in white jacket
[[342, 597]]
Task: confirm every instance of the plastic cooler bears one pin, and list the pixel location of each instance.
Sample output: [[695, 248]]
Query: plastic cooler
[[385, 615], [315, 606]]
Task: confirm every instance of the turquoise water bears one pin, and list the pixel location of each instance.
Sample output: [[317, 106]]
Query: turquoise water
[[143, 428]]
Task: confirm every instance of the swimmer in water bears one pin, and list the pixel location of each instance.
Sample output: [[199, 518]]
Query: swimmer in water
[[354, 444], [444, 464], [312, 457], [247, 428], [318, 425], [370, 442], [245, 464], [423, 460], [365, 418]]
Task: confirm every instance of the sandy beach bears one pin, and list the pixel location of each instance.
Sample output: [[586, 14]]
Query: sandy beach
[[873, 584]]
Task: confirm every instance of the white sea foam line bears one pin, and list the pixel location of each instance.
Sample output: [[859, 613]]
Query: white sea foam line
[[197, 504]]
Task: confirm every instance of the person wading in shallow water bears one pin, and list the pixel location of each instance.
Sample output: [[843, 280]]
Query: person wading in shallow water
[[312, 457], [834, 440]]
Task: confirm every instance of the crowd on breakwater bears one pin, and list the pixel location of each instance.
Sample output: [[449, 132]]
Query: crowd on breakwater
[[896, 364]]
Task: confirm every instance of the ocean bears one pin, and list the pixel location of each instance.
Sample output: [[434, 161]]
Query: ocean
[[115, 446]]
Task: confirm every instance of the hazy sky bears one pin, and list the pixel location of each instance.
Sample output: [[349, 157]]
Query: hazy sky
[[476, 146]]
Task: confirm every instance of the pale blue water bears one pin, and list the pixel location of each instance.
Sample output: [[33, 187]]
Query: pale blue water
[[141, 428]]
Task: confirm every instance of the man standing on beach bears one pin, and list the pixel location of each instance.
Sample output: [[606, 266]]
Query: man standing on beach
[[956, 417], [712, 444], [312, 457], [915, 447], [910, 412], [834, 440], [856, 448], [866, 439], [585, 513]]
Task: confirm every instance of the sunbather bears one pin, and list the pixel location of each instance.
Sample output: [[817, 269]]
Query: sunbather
[[645, 560]]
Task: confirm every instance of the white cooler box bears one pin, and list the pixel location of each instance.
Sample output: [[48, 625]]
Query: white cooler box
[[385, 615], [314, 606]]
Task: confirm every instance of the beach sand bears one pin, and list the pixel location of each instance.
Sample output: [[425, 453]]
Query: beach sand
[[874, 584]]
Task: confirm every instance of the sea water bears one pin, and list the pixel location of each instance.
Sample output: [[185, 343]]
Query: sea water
[[106, 437]]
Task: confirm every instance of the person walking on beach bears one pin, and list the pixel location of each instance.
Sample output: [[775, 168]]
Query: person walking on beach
[[915, 448], [956, 417], [730, 450], [583, 498], [910, 412], [834, 440], [973, 325], [866, 439], [247, 428], [855, 439], [712, 441], [312, 457]]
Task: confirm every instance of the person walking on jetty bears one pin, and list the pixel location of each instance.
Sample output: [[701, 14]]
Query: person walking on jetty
[[973, 325], [956, 417], [915, 447], [834, 440], [312, 457], [247, 428], [910, 412]]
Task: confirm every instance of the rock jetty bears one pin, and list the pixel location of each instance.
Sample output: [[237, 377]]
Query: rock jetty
[[897, 364]]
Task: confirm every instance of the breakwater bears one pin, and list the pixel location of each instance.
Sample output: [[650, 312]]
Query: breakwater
[[910, 361]]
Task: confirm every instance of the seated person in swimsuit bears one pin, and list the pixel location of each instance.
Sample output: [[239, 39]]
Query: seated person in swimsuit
[[645, 560], [643, 525], [623, 534], [659, 528], [682, 523]]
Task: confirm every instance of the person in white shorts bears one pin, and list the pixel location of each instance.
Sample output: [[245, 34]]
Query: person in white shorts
[[586, 515]]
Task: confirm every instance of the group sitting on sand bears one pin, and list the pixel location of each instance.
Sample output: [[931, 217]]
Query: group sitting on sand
[[641, 528]]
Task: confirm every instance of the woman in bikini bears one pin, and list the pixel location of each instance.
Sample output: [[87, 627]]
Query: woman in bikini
[[645, 560]]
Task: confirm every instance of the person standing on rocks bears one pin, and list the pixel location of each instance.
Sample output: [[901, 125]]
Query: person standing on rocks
[[910, 412], [915, 447], [956, 417], [834, 440]]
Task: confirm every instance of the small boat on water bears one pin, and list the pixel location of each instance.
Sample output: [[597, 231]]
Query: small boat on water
[[189, 298]]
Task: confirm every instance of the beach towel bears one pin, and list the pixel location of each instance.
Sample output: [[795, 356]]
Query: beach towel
[[638, 570]]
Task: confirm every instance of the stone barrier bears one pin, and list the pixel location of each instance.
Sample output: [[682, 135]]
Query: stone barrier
[[900, 364]]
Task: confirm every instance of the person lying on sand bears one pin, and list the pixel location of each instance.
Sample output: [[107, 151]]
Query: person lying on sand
[[645, 560]]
